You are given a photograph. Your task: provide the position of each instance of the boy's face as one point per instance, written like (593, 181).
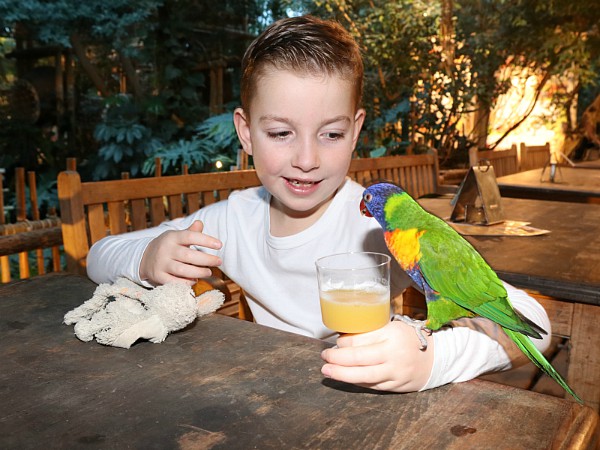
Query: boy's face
(302, 133)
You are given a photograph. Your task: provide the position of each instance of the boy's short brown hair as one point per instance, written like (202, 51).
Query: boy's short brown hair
(306, 45)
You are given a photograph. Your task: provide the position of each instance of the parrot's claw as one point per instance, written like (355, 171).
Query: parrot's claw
(418, 325)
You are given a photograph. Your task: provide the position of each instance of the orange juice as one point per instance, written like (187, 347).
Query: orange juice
(355, 311)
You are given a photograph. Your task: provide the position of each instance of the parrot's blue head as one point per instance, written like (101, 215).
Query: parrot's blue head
(374, 199)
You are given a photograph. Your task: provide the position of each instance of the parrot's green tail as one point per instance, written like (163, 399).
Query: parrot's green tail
(527, 347)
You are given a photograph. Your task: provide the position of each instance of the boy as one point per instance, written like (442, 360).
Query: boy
(300, 120)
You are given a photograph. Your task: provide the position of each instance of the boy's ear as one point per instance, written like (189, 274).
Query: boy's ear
(242, 127)
(359, 119)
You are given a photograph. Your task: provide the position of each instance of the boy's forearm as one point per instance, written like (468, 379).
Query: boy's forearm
(114, 257)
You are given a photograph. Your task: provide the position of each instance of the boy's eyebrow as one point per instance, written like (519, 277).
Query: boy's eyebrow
(269, 117)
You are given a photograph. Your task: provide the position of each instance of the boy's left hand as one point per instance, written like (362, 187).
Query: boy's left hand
(388, 359)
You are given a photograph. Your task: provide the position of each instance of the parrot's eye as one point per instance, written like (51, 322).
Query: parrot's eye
(368, 197)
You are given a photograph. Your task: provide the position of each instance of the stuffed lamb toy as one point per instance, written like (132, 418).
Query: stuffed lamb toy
(121, 313)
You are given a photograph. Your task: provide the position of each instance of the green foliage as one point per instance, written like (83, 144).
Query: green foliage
(116, 22)
(6, 66)
(420, 85)
(214, 140)
(410, 91)
(125, 141)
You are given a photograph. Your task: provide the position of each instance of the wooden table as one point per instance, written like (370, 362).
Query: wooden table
(564, 265)
(571, 185)
(592, 164)
(226, 383)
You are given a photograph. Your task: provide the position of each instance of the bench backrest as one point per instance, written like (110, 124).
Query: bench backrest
(93, 210)
(416, 174)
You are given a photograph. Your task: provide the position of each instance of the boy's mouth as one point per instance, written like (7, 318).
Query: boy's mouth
(301, 183)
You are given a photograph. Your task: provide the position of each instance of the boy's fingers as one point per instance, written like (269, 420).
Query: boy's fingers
(367, 355)
(355, 340)
(368, 375)
(196, 226)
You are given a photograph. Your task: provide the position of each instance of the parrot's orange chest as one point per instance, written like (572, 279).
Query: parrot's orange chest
(404, 245)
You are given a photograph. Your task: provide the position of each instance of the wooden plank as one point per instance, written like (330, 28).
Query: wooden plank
(103, 191)
(139, 220)
(175, 206)
(504, 161)
(96, 223)
(30, 240)
(20, 200)
(74, 226)
(157, 210)
(35, 213)
(116, 217)
(534, 156)
(5, 269)
(192, 203)
(584, 366)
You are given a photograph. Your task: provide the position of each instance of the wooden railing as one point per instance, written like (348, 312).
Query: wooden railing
(35, 242)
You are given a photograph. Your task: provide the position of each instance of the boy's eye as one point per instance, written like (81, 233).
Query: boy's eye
(333, 136)
(278, 134)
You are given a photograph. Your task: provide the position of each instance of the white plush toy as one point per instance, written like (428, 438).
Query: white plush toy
(121, 313)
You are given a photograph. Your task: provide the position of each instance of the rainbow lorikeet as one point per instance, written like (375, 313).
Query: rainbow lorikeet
(456, 280)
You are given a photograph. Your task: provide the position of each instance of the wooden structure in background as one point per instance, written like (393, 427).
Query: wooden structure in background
(513, 159)
(504, 162)
(533, 156)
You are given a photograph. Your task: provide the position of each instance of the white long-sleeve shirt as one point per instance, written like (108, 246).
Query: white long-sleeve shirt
(278, 274)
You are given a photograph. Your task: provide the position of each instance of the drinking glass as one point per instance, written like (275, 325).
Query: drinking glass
(354, 290)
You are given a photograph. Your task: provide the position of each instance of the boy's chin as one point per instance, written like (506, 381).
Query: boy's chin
(301, 207)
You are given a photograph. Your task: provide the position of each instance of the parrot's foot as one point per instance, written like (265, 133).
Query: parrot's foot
(418, 325)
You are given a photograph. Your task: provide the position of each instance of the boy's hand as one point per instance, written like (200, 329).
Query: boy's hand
(388, 359)
(169, 257)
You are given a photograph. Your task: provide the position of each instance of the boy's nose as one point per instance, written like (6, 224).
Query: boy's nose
(306, 156)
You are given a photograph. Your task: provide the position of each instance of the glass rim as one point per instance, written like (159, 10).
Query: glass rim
(386, 260)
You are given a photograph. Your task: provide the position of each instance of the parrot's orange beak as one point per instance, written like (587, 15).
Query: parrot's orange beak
(363, 209)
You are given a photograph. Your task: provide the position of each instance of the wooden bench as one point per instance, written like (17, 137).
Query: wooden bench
(93, 210)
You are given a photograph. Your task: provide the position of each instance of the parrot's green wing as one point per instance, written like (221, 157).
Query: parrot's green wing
(457, 272)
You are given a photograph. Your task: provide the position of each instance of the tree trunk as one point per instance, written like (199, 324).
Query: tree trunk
(130, 73)
(447, 36)
(87, 66)
(481, 125)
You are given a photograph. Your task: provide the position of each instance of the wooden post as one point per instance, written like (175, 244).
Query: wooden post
(35, 215)
(4, 262)
(74, 231)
